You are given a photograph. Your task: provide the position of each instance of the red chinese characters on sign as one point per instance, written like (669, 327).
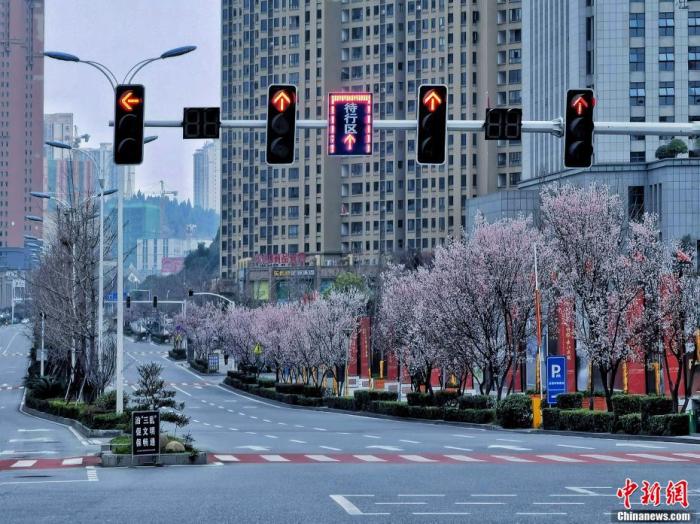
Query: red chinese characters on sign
(626, 492)
(676, 493)
(651, 493)
(280, 259)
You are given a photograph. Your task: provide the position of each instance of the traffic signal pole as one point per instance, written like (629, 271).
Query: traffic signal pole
(552, 127)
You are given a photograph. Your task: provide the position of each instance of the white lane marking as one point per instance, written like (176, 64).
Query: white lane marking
(91, 474)
(416, 458)
(558, 503)
(183, 383)
(656, 457)
(233, 429)
(630, 445)
(508, 440)
(573, 447)
(494, 495)
(282, 423)
(251, 433)
(608, 458)
(270, 436)
(342, 433)
(230, 410)
(369, 458)
(203, 401)
(265, 420)
(10, 343)
(254, 448)
(23, 464)
(33, 430)
(463, 458)
(400, 503)
(321, 458)
(298, 426)
(349, 507)
(78, 436)
(320, 429)
(690, 455)
(421, 495)
(409, 441)
(440, 513)
(385, 448)
(36, 439)
(241, 413)
(330, 448)
(195, 420)
(537, 513)
(458, 448)
(464, 436)
(217, 426)
(182, 391)
(585, 490)
(511, 448)
(297, 441)
(274, 458)
(253, 416)
(559, 458)
(511, 458)
(242, 396)
(207, 424)
(72, 461)
(480, 503)
(226, 458)
(14, 452)
(371, 436)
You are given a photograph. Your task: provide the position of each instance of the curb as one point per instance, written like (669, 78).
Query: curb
(111, 460)
(76, 425)
(489, 427)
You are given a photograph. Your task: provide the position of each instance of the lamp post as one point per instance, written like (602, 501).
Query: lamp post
(113, 82)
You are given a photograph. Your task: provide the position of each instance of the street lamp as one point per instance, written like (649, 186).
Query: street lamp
(112, 79)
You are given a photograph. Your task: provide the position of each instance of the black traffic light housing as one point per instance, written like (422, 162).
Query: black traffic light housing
(281, 124)
(190, 292)
(432, 124)
(128, 124)
(503, 123)
(155, 301)
(201, 122)
(578, 132)
(128, 301)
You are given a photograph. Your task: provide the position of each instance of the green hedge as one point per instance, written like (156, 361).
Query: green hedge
(363, 397)
(570, 400)
(654, 405)
(389, 407)
(312, 391)
(416, 398)
(551, 418)
(309, 401)
(340, 403)
(475, 402)
(177, 354)
(243, 377)
(675, 424)
(585, 420)
(515, 411)
(445, 396)
(266, 383)
(474, 416)
(630, 423)
(200, 365)
(427, 412)
(627, 404)
(290, 389)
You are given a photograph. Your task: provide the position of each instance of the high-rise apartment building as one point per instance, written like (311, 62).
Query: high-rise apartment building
(21, 118)
(642, 57)
(376, 205)
(207, 176)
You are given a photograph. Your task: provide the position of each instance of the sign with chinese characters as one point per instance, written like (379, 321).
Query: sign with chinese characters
(556, 378)
(293, 273)
(280, 259)
(350, 124)
(145, 433)
(213, 362)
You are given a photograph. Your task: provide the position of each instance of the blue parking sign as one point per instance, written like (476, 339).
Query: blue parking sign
(556, 378)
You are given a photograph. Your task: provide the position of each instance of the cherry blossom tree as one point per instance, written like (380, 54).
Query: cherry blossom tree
(239, 336)
(303, 357)
(269, 328)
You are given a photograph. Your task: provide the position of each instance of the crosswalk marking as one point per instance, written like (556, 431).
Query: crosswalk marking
(511, 458)
(72, 461)
(559, 458)
(23, 464)
(416, 458)
(91, 474)
(608, 458)
(226, 458)
(369, 458)
(689, 455)
(274, 458)
(322, 458)
(463, 458)
(657, 457)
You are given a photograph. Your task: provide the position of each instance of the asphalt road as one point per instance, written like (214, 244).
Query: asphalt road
(313, 466)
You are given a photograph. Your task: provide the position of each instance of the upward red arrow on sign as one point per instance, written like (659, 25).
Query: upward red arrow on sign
(432, 100)
(579, 104)
(349, 141)
(281, 100)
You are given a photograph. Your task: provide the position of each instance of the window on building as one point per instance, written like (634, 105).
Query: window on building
(693, 23)
(636, 24)
(694, 58)
(666, 59)
(515, 56)
(636, 59)
(514, 76)
(667, 93)
(666, 24)
(637, 94)
(694, 92)
(635, 202)
(637, 156)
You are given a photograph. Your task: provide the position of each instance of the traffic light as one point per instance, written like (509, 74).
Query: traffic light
(128, 124)
(128, 302)
(190, 293)
(201, 122)
(578, 139)
(503, 123)
(155, 301)
(432, 124)
(281, 124)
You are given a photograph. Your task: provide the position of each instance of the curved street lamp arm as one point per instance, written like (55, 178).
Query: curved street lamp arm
(105, 71)
(138, 68)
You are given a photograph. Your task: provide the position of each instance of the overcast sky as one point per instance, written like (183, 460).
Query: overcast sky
(119, 33)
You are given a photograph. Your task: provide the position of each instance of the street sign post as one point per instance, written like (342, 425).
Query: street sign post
(556, 378)
(145, 433)
(350, 124)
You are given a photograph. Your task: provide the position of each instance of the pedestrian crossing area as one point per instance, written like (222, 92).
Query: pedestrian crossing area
(49, 463)
(433, 458)
(9, 387)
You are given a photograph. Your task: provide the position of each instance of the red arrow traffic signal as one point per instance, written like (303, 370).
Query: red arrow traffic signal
(281, 100)
(579, 104)
(432, 100)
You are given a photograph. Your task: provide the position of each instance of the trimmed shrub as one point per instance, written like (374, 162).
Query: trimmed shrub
(630, 423)
(45, 388)
(340, 403)
(475, 402)
(603, 421)
(445, 396)
(389, 407)
(427, 412)
(62, 409)
(363, 397)
(109, 420)
(309, 401)
(177, 354)
(200, 365)
(654, 405)
(515, 411)
(108, 401)
(627, 404)
(474, 416)
(550, 418)
(312, 391)
(268, 393)
(385, 396)
(290, 389)
(570, 400)
(416, 398)
(675, 424)
(266, 383)
(585, 420)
